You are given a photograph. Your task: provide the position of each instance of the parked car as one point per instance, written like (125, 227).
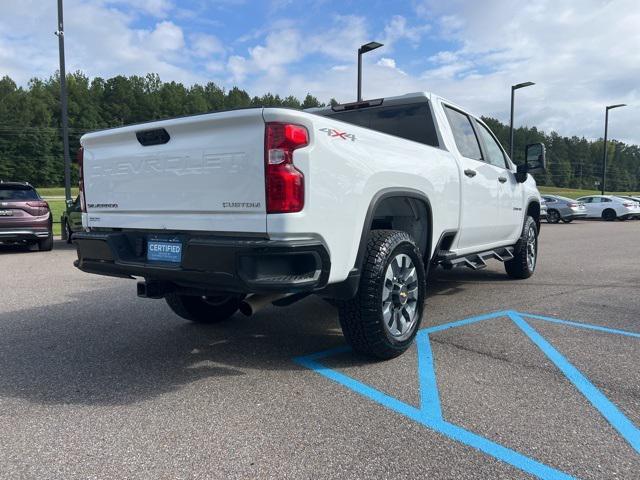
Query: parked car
(352, 202)
(24, 217)
(633, 199)
(563, 208)
(609, 207)
(543, 209)
(71, 219)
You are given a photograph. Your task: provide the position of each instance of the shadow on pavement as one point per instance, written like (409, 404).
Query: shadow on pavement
(108, 347)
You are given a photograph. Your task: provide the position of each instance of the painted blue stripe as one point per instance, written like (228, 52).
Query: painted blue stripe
(429, 395)
(587, 326)
(608, 410)
(496, 450)
(466, 321)
(361, 388)
(451, 431)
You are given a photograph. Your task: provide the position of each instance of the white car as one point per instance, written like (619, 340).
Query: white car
(234, 210)
(610, 207)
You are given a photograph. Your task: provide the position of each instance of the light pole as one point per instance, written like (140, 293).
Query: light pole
(513, 90)
(63, 104)
(606, 131)
(367, 47)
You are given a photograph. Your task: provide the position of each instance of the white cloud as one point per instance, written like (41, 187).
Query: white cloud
(205, 45)
(398, 29)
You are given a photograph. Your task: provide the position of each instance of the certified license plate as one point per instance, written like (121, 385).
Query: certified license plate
(164, 251)
(6, 213)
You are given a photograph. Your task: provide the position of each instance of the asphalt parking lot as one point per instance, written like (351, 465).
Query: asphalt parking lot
(96, 383)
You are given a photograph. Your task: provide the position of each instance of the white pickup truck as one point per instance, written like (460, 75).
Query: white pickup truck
(234, 210)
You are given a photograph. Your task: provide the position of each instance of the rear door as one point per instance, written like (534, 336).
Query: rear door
(480, 190)
(197, 173)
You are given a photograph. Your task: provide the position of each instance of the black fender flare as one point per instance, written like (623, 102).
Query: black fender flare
(373, 205)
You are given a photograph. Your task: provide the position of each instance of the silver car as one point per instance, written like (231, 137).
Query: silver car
(563, 208)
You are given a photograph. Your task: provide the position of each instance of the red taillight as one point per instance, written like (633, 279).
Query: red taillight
(80, 160)
(284, 182)
(40, 207)
(628, 205)
(573, 205)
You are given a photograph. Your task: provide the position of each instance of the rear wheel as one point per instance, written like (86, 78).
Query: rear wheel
(553, 216)
(68, 231)
(383, 318)
(609, 215)
(46, 244)
(525, 253)
(204, 309)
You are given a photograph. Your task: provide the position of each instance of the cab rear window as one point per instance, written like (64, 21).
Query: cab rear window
(17, 193)
(413, 121)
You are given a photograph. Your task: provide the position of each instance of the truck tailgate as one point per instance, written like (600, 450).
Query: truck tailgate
(206, 173)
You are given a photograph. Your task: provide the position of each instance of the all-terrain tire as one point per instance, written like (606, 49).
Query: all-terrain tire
(522, 265)
(362, 318)
(200, 309)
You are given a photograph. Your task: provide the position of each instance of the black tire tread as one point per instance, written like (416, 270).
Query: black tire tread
(359, 317)
(517, 267)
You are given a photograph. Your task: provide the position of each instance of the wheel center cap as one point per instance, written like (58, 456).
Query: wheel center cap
(402, 295)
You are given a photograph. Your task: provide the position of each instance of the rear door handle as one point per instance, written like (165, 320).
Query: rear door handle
(470, 173)
(502, 179)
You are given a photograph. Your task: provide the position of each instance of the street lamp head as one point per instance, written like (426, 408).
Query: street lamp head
(522, 85)
(616, 106)
(367, 47)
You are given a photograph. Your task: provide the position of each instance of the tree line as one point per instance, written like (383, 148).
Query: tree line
(31, 144)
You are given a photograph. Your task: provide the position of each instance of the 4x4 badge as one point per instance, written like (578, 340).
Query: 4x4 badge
(332, 132)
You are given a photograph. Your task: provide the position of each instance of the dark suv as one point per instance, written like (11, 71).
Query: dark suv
(24, 216)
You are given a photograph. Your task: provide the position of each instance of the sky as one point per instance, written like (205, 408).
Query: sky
(582, 55)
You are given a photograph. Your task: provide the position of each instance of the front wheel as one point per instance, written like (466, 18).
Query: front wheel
(204, 309)
(383, 318)
(525, 253)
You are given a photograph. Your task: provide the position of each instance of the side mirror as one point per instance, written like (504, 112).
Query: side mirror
(535, 158)
(535, 161)
(69, 203)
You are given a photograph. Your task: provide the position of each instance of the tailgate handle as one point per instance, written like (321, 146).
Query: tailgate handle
(157, 136)
(470, 173)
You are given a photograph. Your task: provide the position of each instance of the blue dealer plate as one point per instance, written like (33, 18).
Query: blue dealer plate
(164, 251)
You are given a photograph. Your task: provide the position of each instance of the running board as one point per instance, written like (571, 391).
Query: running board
(475, 261)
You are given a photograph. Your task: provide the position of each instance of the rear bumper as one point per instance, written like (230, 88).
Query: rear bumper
(209, 263)
(23, 234)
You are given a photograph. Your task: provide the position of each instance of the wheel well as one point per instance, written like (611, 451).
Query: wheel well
(406, 214)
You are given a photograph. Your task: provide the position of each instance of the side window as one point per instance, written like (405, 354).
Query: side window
(494, 152)
(586, 200)
(463, 134)
(604, 200)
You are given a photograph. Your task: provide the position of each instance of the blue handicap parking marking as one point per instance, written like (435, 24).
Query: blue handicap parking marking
(429, 413)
